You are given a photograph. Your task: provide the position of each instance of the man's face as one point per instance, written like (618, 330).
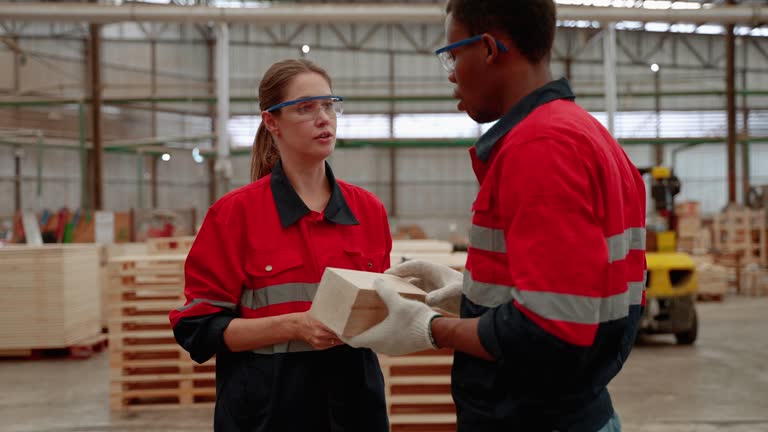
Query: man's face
(474, 89)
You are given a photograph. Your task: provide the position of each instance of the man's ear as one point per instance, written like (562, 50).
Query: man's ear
(491, 48)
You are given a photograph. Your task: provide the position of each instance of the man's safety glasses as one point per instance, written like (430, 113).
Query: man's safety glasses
(447, 58)
(308, 108)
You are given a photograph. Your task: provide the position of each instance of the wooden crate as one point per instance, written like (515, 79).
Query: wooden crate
(51, 296)
(418, 391)
(148, 370)
(170, 245)
(743, 231)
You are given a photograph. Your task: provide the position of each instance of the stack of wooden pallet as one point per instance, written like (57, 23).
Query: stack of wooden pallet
(714, 279)
(169, 245)
(51, 296)
(692, 236)
(742, 231)
(436, 251)
(148, 369)
(418, 390)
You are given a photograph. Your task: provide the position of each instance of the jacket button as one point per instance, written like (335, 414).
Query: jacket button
(268, 268)
(370, 264)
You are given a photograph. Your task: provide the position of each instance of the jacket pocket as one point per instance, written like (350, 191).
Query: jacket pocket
(269, 264)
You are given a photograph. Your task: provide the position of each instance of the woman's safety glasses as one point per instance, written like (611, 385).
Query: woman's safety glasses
(308, 108)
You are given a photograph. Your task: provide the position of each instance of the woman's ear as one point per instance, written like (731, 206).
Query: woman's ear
(270, 122)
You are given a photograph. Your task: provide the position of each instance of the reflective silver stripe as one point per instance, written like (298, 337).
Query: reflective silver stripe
(484, 294)
(636, 292)
(292, 346)
(620, 244)
(225, 305)
(275, 294)
(553, 306)
(489, 239)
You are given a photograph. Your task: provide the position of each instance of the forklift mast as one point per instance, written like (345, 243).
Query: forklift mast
(664, 186)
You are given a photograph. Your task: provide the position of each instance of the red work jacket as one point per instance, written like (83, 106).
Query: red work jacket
(260, 253)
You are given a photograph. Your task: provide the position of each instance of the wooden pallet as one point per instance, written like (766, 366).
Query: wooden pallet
(81, 349)
(742, 231)
(148, 369)
(170, 245)
(418, 391)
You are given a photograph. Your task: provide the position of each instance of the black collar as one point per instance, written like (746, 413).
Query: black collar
(291, 208)
(559, 89)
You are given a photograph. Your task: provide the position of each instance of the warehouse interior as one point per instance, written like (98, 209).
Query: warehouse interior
(122, 122)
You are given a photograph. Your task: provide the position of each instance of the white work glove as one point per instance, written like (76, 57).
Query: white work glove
(406, 328)
(441, 283)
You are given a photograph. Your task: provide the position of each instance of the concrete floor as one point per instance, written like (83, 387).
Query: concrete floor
(720, 384)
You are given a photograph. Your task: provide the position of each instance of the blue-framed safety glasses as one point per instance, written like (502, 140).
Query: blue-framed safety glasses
(309, 107)
(447, 58)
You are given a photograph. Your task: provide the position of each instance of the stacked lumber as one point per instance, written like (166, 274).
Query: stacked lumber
(148, 370)
(418, 391)
(714, 279)
(742, 231)
(754, 281)
(167, 245)
(51, 296)
(436, 251)
(692, 236)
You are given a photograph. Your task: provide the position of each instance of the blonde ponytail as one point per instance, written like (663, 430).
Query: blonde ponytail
(264, 155)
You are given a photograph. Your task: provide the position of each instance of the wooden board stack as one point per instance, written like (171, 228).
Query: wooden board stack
(436, 251)
(418, 391)
(692, 236)
(742, 231)
(51, 296)
(148, 370)
(169, 245)
(714, 279)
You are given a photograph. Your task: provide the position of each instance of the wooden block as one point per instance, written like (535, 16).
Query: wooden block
(347, 303)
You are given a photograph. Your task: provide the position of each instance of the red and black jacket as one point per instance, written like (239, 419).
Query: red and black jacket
(259, 253)
(555, 270)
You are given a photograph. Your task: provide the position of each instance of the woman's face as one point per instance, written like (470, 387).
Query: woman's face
(305, 130)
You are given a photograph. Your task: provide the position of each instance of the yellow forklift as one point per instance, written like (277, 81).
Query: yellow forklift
(672, 284)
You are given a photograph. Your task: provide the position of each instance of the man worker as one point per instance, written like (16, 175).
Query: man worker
(554, 284)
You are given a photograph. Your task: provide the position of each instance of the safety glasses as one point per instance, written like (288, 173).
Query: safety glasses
(308, 108)
(448, 60)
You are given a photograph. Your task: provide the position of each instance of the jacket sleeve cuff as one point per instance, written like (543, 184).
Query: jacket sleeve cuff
(202, 336)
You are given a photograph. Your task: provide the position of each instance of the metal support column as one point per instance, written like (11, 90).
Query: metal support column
(393, 149)
(730, 96)
(658, 148)
(94, 54)
(152, 159)
(211, 162)
(17, 155)
(609, 72)
(223, 162)
(745, 148)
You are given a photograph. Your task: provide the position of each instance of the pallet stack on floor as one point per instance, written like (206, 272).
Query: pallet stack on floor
(692, 236)
(51, 299)
(741, 242)
(418, 391)
(436, 251)
(148, 369)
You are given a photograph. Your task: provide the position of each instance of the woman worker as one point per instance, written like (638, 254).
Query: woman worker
(254, 268)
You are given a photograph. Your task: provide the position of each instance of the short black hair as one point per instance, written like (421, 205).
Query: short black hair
(529, 23)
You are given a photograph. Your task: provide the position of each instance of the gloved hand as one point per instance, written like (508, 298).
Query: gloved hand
(441, 283)
(405, 330)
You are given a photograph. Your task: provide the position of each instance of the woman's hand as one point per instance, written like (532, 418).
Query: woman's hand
(314, 332)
